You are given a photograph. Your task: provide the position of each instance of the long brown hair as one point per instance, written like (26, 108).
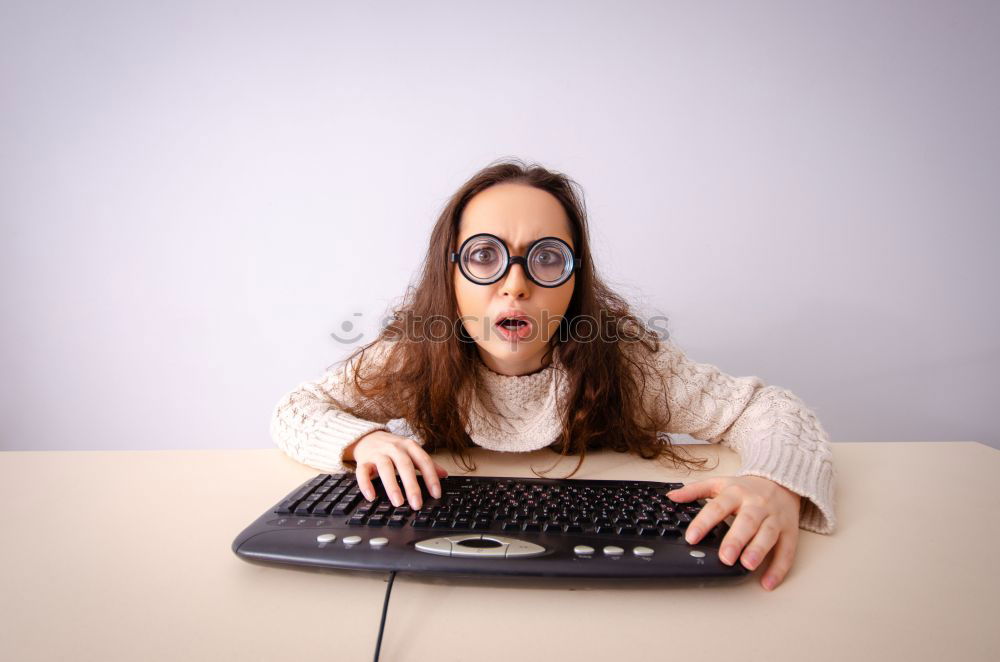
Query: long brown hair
(431, 384)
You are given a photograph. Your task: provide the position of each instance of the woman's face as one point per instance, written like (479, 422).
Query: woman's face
(518, 214)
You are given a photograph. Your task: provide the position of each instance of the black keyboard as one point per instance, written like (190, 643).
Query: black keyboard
(489, 526)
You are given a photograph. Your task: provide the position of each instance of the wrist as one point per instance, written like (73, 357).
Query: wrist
(348, 453)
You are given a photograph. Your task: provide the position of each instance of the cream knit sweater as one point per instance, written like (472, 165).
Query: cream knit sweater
(774, 433)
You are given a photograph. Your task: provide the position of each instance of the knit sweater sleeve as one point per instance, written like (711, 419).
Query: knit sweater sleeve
(309, 426)
(775, 434)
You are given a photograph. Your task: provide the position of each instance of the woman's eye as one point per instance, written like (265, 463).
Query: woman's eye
(547, 257)
(482, 255)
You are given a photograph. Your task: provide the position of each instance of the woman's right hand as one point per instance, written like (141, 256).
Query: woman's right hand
(387, 453)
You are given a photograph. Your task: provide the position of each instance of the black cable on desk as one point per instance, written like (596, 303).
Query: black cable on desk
(385, 607)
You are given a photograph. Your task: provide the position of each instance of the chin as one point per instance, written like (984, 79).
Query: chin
(502, 349)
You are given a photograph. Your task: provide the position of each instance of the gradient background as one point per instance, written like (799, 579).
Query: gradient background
(194, 196)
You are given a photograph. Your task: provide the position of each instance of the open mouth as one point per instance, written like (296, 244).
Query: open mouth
(514, 328)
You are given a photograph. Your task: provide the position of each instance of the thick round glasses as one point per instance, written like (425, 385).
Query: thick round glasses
(484, 259)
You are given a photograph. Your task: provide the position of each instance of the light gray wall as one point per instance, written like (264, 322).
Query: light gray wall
(193, 196)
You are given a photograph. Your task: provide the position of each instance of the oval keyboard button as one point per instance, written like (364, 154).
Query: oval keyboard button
(613, 550)
(643, 551)
(441, 546)
(581, 550)
(520, 548)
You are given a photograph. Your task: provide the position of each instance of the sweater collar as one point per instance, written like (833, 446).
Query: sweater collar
(526, 409)
(539, 377)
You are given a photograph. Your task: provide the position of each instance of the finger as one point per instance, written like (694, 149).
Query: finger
(692, 491)
(408, 473)
(361, 474)
(388, 474)
(430, 471)
(761, 543)
(781, 560)
(749, 519)
(711, 514)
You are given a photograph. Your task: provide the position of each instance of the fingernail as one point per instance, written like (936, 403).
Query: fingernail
(728, 554)
(436, 492)
(692, 535)
(752, 559)
(769, 583)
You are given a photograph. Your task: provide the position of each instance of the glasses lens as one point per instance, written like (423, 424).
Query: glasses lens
(483, 258)
(550, 262)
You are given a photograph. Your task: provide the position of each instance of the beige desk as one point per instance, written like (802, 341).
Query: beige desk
(126, 556)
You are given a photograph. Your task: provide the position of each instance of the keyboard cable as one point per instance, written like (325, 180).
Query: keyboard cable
(385, 607)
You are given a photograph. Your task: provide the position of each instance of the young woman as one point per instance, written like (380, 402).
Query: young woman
(511, 341)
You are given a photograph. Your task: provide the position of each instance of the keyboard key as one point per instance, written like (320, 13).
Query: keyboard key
(344, 505)
(285, 508)
(303, 508)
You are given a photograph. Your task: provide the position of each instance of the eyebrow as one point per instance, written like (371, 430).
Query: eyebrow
(507, 241)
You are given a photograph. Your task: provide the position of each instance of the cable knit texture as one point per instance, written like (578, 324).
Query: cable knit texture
(775, 434)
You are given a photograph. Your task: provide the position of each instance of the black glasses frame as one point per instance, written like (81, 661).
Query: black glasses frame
(455, 256)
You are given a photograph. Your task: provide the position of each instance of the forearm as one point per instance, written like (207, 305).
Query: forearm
(779, 438)
(775, 434)
(317, 434)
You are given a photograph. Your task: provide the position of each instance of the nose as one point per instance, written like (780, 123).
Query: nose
(515, 283)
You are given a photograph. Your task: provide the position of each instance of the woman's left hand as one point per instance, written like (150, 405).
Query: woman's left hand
(767, 516)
